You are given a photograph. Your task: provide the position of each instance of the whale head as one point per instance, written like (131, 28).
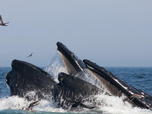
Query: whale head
(25, 77)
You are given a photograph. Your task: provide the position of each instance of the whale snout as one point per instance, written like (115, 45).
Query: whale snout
(18, 64)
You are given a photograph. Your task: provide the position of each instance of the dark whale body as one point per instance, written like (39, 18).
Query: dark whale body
(71, 90)
(25, 77)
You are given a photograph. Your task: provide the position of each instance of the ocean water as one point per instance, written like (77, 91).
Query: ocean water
(138, 77)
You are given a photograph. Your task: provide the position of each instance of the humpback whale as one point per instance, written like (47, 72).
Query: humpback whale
(72, 90)
(25, 77)
(117, 87)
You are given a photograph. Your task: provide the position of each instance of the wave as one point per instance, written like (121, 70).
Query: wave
(106, 104)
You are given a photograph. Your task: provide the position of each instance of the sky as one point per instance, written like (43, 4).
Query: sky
(107, 32)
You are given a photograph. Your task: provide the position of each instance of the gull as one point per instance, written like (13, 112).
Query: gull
(2, 24)
(30, 55)
(29, 108)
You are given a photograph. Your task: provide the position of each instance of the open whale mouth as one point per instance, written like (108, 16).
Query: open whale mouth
(75, 66)
(72, 63)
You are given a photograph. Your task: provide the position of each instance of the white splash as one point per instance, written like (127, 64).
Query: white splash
(87, 76)
(55, 66)
(13, 102)
(116, 105)
(18, 103)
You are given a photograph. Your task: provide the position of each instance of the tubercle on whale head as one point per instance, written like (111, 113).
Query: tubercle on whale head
(65, 79)
(7, 78)
(60, 77)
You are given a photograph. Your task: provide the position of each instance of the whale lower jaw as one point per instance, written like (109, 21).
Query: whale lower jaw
(116, 87)
(72, 63)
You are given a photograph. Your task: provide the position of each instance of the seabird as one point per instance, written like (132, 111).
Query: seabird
(29, 108)
(2, 24)
(30, 55)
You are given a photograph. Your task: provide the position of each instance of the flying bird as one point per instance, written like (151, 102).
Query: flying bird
(29, 108)
(30, 55)
(2, 23)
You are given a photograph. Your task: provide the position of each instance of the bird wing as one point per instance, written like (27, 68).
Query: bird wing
(30, 55)
(1, 19)
(33, 104)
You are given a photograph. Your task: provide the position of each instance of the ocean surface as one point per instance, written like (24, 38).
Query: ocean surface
(138, 77)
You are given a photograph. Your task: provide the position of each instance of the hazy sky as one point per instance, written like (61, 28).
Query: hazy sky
(108, 32)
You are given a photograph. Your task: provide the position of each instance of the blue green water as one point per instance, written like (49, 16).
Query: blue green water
(138, 77)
